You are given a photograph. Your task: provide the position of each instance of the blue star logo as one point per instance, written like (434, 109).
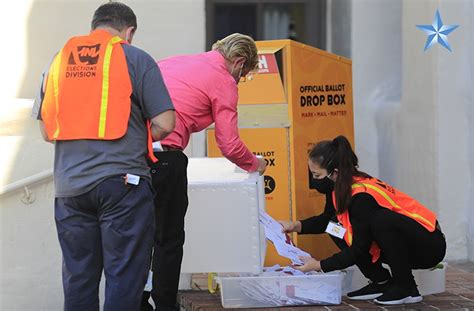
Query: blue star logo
(437, 32)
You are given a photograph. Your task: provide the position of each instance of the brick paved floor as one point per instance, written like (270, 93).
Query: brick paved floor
(459, 295)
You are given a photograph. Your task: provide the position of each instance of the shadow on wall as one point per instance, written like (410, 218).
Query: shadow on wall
(49, 25)
(386, 114)
(387, 99)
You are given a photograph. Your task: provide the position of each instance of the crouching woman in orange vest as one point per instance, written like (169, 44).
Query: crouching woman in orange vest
(372, 222)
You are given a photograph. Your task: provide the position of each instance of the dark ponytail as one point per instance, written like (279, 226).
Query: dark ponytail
(338, 154)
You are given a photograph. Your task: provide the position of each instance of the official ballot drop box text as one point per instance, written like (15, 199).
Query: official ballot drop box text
(299, 96)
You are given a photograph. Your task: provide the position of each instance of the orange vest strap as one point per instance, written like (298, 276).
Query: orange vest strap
(151, 155)
(55, 77)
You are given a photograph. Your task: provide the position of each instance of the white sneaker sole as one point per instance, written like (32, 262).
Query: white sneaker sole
(408, 299)
(365, 297)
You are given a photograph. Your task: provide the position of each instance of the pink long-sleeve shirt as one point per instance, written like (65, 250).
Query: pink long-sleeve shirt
(203, 92)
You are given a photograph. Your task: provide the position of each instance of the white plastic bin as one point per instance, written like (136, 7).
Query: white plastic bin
(275, 291)
(431, 281)
(223, 233)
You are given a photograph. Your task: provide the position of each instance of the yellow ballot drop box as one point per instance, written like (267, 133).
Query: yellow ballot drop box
(299, 96)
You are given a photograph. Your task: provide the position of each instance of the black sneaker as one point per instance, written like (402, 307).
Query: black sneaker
(371, 291)
(396, 295)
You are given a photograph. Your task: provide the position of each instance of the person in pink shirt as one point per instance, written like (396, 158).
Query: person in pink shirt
(203, 89)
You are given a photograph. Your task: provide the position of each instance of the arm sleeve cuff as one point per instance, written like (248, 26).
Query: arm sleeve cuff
(305, 224)
(326, 265)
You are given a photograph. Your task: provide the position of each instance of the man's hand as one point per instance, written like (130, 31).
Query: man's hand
(309, 264)
(262, 166)
(290, 226)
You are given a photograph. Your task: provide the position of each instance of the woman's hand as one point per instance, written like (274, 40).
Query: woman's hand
(309, 264)
(290, 226)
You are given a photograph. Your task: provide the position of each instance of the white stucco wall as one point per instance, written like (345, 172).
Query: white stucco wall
(437, 94)
(30, 264)
(455, 143)
(417, 124)
(30, 260)
(376, 67)
(414, 109)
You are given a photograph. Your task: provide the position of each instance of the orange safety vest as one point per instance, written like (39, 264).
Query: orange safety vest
(88, 91)
(388, 197)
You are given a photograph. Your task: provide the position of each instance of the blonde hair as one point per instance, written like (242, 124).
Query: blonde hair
(238, 45)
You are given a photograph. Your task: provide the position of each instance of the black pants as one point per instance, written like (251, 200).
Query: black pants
(404, 244)
(169, 176)
(108, 228)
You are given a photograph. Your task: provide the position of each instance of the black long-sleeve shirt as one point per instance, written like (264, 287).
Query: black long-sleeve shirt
(361, 210)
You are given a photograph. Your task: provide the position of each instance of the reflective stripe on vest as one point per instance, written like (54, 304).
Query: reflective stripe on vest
(55, 72)
(428, 224)
(105, 85)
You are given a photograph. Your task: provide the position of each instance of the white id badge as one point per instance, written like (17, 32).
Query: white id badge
(335, 230)
(132, 179)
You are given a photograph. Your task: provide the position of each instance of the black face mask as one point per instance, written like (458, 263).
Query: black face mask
(324, 185)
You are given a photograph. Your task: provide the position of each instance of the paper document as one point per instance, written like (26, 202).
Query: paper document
(289, 290)
(276, 270)
(272, 268)
(283, 244)
(318, 292)
(292, 271)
